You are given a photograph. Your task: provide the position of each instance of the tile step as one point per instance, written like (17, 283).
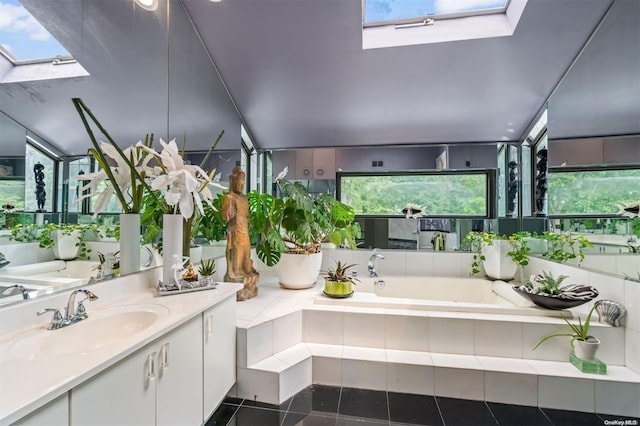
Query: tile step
(548, 384)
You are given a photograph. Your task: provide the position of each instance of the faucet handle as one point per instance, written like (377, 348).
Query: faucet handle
(55, 320)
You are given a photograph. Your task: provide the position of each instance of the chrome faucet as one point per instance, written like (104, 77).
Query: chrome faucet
(371, 266)
(73, 314)
(12, 289)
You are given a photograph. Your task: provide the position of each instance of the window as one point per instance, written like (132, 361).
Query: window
(445, 194)
(22, 38)
(592, 190)
(389, 23)
(384, 12)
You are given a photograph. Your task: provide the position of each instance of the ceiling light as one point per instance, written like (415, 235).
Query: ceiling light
(148, 4)
(216, 1)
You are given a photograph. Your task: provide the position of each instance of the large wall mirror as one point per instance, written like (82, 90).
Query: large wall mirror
(146, 72)
(594, 121)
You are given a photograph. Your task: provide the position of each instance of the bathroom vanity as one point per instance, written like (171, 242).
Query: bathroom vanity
(137, 359)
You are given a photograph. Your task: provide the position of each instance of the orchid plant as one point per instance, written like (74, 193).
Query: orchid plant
(184, 185)
(118, 179)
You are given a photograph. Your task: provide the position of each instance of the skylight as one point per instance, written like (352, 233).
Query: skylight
(385, 12)
(22, 38)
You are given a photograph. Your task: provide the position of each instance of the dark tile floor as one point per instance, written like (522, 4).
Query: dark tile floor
(320, 405)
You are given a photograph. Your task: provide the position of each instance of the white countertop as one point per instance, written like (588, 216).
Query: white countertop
(26, 385)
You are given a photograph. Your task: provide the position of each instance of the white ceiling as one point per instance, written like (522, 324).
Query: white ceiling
(298, 76)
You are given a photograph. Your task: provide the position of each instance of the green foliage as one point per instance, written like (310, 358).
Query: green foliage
(546, 283)
(578, 331)
(519, 252)
(439, 194)
(211, 226)
(566, 246)
(298, 222)
(207, 267)
(43, 234)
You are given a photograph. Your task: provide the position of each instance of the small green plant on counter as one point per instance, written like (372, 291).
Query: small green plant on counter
(564, 247)
(578, 331)
(207, 268)
(519, 252)
(339, 273)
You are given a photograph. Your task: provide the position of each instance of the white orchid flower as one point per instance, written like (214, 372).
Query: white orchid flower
(283, 173)
(121, 173)
(184, 184)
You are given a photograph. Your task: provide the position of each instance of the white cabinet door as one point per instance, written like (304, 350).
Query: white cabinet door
(219, 353)
(124, 394)
(179, 365)
(55, 413)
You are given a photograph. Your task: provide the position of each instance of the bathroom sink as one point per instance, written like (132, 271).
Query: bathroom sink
(101, 329)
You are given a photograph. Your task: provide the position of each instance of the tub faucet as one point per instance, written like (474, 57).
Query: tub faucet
(12, 289)
(72, 314)
(371, 266)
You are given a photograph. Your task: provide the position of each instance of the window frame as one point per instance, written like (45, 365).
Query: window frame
(491, 203)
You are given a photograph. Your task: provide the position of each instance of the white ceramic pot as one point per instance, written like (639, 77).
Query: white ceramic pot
(66, 247)
(297, 271)
(496, 263)
(586, 349)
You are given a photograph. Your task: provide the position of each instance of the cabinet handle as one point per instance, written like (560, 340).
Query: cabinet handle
(209, 326)
(164, 351)
(151, 366)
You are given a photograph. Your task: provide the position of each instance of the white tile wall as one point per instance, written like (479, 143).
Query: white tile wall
(498, 338)
(565, 393)
(327, 371)
(407, 332)
(364, 374)
(410, 378)
(420, 264)
(294, 379)
(511, 388)
(287, 331)
(323, 327)
(451, 336)
(448, 265)
(259, 342)
(632, 349)
(459, 383)
(365, 330)
(632, 304)
(554, 349)
(617, 398)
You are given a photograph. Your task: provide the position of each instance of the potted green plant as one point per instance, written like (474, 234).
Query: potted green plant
(337, 283)
(583, 344)
(296, 224)
(66, 239)
(547, 291)
(206, 270)
(499, 254)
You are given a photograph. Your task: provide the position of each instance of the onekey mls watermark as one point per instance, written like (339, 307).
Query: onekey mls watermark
(621, 422)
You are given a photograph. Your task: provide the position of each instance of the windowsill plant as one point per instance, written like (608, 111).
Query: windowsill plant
(518, 253)
(337, 282)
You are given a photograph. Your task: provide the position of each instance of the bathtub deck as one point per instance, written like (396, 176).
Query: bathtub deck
(286, 341)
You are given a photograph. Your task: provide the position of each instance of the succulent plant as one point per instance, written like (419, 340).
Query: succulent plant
(207, 267)
(546, 283)
(339, 273)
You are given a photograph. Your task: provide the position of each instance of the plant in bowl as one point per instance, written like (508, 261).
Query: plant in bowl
(66, 239)
(337, 283)
(583, 344)
(546, 291)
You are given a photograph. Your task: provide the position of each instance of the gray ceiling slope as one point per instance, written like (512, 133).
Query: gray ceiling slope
(300, 78)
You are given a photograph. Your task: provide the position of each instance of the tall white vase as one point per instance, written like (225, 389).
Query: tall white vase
(171, 245)
(129, 243)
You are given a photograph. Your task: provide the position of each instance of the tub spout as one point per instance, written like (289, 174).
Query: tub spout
(371, 266)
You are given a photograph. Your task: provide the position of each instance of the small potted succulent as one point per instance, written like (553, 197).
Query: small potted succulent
(583, 344)
(337, 283)
(206, 270)
(546, 291)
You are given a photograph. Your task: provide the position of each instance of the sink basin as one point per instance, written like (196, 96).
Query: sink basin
(101, 329)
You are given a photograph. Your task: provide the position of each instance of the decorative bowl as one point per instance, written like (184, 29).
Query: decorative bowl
(570, 297)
